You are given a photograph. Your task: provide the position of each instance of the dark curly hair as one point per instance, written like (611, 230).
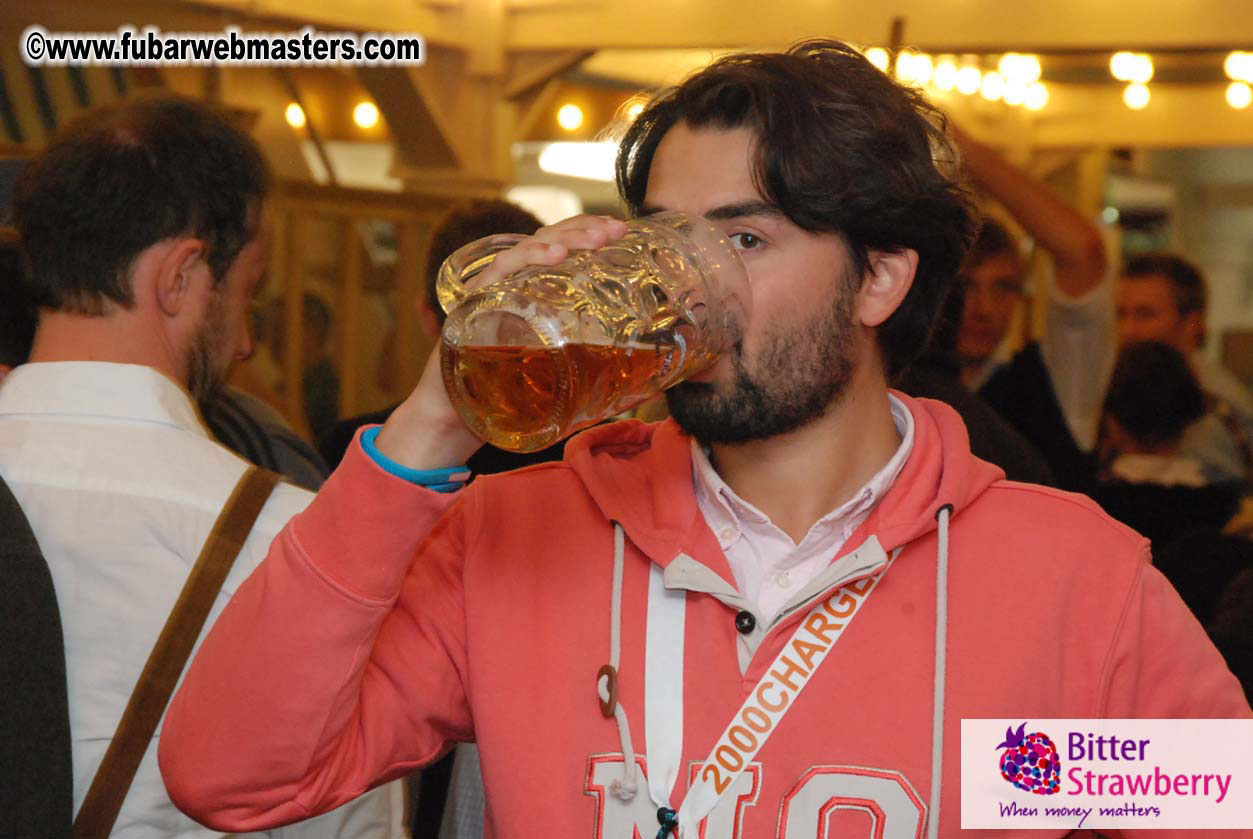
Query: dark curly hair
(841, 148)
(125, 177)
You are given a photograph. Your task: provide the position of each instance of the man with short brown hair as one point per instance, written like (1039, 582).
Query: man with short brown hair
(142, 223)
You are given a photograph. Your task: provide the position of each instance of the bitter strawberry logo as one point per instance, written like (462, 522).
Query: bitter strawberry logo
(1030, 762)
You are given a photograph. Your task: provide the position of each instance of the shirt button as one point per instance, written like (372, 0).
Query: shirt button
(783, 580)
(745, 622)
(728, 534)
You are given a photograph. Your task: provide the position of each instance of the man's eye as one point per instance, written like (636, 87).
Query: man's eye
(745, 241)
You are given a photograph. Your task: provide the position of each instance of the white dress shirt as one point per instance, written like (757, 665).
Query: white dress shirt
(121, 484)
(770, 568)
(1079, 348)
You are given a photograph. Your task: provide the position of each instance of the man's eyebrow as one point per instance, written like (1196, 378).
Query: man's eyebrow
(728, 211)
(743, 209)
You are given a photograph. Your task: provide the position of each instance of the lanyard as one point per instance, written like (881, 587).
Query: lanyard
(761, 712)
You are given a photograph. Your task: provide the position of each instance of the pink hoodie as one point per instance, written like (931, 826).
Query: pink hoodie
(390, 622)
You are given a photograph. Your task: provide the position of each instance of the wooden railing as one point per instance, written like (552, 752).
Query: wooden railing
(323, 242)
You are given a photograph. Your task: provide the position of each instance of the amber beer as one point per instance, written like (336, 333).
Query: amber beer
(535, 356)
(525, 398)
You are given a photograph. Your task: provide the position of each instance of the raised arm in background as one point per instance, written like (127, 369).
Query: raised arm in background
(1073, 240)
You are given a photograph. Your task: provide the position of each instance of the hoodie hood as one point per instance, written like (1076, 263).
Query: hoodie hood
(641, 477)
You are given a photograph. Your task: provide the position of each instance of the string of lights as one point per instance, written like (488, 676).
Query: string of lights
(1016, 78)
(1013, 78)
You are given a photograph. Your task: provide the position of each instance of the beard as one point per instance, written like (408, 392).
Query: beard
(206, 373)
(799, 374)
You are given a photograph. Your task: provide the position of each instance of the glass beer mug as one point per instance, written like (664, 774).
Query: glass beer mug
(544, 352)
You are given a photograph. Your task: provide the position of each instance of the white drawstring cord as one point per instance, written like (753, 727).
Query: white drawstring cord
(625, 788)
(941, 665)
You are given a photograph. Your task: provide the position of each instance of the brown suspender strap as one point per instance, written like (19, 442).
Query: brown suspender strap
(169, 655)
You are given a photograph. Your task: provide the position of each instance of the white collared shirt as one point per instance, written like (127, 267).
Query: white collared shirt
(121, 484)
(1078, 349)
(770, 568)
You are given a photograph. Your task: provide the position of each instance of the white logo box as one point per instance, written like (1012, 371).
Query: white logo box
(1165, 774)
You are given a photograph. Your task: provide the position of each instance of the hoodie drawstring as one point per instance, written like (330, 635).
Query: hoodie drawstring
(607, 678)
(941, 664)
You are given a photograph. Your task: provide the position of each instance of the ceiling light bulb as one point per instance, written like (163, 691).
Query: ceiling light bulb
(969, 78)
(1122, 65)
(1143, 69)
(904, 65)
(1239, 66)
(1136, 95)
(923, 69)
(570, 116)
(1008, 65)
(1029, 68)
(1015, 92)
(946, 72)
(1037, 96)
(878, 56)
(295, 115)
(1239, 95)
(993, 87)
(365, 115)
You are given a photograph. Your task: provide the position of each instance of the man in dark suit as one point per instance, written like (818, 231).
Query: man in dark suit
(36, 782)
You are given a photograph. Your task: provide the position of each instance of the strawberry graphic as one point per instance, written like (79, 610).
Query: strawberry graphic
(1030, 762)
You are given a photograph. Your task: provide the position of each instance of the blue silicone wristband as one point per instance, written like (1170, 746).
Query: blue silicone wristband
(440, 480)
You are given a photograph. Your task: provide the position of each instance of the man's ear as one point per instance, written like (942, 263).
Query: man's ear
(177, 273)
(888, 279)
